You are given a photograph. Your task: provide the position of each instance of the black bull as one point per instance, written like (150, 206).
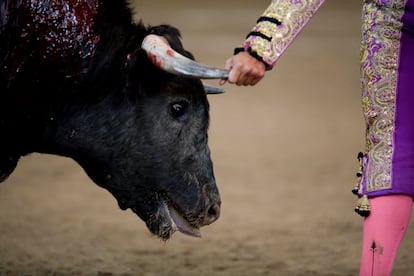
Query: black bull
(75, 81)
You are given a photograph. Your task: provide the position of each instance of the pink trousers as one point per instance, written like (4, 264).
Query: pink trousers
(383, 231)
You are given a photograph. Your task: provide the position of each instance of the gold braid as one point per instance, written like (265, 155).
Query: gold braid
(278, 27)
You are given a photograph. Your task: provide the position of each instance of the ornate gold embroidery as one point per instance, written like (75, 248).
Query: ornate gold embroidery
(267, 28)
(293, 15)
(379, 64)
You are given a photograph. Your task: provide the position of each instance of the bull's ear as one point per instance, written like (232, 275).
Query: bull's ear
(173, 37)
(142, 75)
(212, 89)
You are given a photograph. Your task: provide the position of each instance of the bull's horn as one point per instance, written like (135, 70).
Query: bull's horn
(165, 58)
(212, 89)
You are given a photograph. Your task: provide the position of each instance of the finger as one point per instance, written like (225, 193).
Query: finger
(255, 78)
(249, 81)
(234, 75)
(246, 77)
(228, 64)
(240, 80)
(222, 81)
(254, 81)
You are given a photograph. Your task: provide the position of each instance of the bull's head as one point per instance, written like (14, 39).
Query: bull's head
(159, 162)
(189, 197)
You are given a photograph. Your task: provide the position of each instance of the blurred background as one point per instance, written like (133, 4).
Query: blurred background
(284, 154)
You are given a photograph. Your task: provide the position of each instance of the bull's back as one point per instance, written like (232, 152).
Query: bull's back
(42, 34)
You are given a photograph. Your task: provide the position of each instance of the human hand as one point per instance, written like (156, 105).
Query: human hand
(244, 70)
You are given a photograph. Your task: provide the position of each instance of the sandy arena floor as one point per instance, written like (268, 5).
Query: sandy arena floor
(284, 155)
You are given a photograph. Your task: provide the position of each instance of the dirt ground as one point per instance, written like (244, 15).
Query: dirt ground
(284, 153)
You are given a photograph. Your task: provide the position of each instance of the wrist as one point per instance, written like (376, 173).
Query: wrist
(252, 53)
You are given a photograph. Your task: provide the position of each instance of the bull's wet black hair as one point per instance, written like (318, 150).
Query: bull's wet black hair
(118, 37)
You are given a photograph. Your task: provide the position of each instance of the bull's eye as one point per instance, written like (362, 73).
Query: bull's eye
(178, 109)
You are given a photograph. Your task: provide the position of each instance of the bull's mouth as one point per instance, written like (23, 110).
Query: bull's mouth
(168, 219)
(178, 222)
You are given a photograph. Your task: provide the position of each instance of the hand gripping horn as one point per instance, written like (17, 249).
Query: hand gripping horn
(167, 59)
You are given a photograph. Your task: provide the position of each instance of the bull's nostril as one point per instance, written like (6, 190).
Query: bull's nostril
(213, 214)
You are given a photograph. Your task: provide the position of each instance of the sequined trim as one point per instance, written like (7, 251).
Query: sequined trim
(293, 16)
(380, 45)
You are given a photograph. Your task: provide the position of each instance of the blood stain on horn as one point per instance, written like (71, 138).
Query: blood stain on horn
(154, 60)
(170, 52)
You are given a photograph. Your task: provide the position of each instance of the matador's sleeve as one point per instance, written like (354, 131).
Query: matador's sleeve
(277, 28)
